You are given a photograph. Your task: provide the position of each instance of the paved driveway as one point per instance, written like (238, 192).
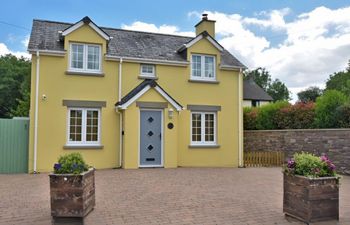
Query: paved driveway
(164, 196)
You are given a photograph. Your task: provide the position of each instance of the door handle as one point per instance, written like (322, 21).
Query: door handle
(160, 136)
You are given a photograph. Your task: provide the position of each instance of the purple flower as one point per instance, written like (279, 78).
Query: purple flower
(324, 158)
(57, 166)
(291, 164)
(331, 166)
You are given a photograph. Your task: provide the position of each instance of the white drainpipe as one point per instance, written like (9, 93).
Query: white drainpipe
(36, 111)
(240, 121)
(120, 114)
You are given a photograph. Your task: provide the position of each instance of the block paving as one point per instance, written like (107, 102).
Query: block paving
(184, 196)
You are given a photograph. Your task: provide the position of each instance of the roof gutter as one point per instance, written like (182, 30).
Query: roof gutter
(47, 52)
(234, 68)
(146, 60)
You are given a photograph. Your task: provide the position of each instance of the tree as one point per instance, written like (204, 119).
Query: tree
(340, 81)
(310, 94)
(260, 76)
(275, 88)
(14, 86)
(326, 109)
(278, 91)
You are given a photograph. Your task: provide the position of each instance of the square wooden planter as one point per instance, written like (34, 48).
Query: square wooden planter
(72, 195)
(311, 199)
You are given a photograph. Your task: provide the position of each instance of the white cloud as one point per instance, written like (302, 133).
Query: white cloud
(310, 47)
(314, 44)
(275, 19)
(149, 27)
(25, 42)
(4, 50)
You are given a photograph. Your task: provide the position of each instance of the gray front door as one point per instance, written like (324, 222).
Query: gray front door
(151, 138)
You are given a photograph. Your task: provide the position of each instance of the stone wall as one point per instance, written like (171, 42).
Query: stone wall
(333, 142)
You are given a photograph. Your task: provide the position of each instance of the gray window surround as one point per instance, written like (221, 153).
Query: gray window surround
(146, 77)
(84, 103)
(83, 147)
(204, 108)
(203, 146)
(152, 105)
(87, 74)
(204, 81)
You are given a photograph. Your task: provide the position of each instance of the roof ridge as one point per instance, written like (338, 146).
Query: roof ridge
(112, 28)
(52, 21)
(146, 32)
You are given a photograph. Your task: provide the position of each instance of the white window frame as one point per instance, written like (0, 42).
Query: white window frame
(202, 77)
(85, 58)
(203, 142)
(153, 74)
(83, 141)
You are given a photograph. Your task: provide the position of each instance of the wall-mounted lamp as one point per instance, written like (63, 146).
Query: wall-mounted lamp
(44, 97)
(170, 113)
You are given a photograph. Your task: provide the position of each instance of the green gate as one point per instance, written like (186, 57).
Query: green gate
(14, 135)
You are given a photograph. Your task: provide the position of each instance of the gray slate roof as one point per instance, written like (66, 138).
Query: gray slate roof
(125, 43)
(139, 88)
(252, 91)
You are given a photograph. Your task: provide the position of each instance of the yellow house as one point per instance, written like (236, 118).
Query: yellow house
(133, 99)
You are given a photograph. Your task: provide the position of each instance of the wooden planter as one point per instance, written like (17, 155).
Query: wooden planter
(72, 195)
(311, 199)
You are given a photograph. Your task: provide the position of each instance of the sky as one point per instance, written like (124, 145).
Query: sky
(300, 42)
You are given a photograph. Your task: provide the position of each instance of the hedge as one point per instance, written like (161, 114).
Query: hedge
(331, 110)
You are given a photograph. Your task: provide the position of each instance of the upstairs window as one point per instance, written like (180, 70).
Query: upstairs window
(203, 67)
(147, 70)
(85, 57)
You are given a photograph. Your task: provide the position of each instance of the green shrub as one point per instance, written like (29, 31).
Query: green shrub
(298, 116)
(72, 163)
(249, 118)
(309, 165)
(342, 115)
(326, 106)
(266, 115)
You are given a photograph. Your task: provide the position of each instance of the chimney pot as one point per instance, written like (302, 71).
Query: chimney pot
(204, 16)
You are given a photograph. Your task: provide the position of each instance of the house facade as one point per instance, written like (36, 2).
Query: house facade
(133, 99)
(254, 95)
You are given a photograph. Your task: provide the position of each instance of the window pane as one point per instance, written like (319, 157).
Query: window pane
(209, 66)
(91, 125)
(93, 57)
(77, 56)
(147, 69)
(196, 127)
(196, 65)
(209, 127)
(75, 125)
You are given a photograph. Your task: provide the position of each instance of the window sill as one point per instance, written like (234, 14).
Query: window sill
(142, 77)
(83, 147)
(204, 146)
(85, 73)
(204, 81)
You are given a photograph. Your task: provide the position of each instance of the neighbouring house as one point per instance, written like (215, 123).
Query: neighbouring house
(133, 99)
(254, 95)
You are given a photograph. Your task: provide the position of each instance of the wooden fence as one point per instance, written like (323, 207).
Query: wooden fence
(263, 158)
(14, 135)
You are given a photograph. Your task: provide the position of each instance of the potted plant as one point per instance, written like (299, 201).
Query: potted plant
(311, 188)
(72, 187)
